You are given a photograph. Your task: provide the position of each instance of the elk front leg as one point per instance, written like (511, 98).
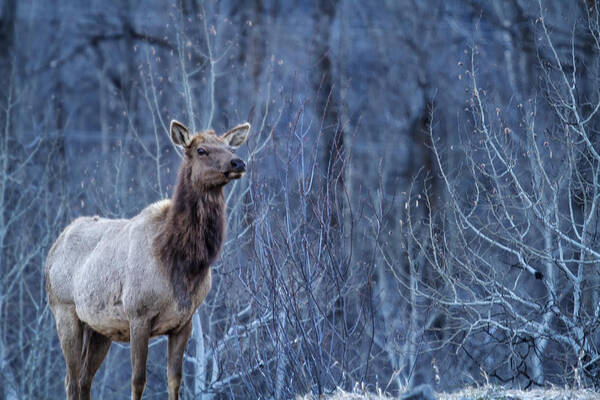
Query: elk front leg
(139, 336)
(177, 343)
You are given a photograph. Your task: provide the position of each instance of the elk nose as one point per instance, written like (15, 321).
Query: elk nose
(238, 165)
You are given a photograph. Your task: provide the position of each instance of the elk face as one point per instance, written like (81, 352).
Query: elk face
(210, 157)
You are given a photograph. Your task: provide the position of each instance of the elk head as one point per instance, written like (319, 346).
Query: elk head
(209, 158)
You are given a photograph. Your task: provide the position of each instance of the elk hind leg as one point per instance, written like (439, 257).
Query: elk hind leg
(69, 330)
(95, 349)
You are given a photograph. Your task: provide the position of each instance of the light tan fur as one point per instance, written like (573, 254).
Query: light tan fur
(133, 286)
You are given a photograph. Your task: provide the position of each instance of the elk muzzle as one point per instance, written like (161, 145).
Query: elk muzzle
(238, 165)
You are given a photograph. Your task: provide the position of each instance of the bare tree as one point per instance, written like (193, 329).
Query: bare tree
(514, 257)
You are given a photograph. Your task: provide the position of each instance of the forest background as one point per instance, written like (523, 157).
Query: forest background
(421, 203)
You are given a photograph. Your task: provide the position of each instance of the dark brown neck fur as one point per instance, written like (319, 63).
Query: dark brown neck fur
(191, 235)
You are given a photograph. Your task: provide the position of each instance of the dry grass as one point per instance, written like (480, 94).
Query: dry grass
(481, 393)
(342, 395)
(498, 393)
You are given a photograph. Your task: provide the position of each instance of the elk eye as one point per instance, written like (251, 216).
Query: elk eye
(202, 151)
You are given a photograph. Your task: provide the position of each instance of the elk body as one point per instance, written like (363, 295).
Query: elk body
(133, 279)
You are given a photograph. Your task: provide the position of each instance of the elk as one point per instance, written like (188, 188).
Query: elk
(134, 279)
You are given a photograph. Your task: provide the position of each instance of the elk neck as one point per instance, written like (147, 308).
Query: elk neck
(191, 234)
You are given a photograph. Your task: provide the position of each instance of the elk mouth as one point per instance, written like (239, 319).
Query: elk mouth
(234, 174)
(238, 169)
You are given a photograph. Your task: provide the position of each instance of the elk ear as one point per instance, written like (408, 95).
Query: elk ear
(235, 137)
(179, 133)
